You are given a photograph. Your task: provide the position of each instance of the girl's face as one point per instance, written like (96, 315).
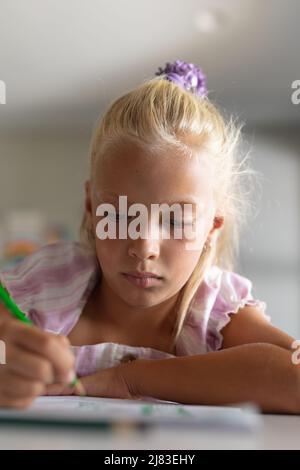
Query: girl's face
(151, 179)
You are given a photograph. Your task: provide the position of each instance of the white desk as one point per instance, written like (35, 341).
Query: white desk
(277, 432)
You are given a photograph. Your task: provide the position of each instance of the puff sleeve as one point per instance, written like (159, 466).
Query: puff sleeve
(51, 285)
(233, 292)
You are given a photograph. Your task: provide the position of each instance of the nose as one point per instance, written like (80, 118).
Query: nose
(146, 247)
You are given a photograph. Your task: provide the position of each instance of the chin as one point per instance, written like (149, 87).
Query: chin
(140, 300)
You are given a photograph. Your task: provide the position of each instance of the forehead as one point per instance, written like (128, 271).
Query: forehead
(165, 176)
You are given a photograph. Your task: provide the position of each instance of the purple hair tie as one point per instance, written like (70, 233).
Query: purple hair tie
(188, 76)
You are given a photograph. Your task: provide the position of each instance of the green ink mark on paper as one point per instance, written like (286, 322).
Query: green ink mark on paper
(147, 409)
(182, 411)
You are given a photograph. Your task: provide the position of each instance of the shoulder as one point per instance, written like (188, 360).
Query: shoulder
(69, 257)
(220, 289)
(48, 278)
(228, 287)
(221, 293)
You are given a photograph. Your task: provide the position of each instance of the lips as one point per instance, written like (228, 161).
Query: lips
(142, 275)
(143, 281)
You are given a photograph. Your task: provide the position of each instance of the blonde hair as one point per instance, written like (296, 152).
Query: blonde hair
(159, 114)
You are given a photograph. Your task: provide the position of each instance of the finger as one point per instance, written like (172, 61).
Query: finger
(16, 386)
(5, 313)
(59, 389)
(29, 365)
(49, 346)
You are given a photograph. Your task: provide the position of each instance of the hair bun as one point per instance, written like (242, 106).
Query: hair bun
(187, 75)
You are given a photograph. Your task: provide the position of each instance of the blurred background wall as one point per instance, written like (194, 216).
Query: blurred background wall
(63, 62)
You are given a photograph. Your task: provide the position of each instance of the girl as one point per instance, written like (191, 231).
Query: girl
(191, 330)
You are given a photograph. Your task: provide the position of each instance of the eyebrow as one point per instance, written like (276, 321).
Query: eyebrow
(188, 198)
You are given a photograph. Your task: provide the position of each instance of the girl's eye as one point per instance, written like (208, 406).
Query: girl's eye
(174, 223)
(113, 216)
(180, 223)
(116, 216)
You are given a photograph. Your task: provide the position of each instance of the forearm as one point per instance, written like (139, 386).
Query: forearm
(261, 373)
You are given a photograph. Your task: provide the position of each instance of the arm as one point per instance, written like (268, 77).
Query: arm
(249, 326)
(261, 373)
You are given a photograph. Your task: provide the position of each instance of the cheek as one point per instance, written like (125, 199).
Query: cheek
(109, 254)
(178, 259)
(180, 264)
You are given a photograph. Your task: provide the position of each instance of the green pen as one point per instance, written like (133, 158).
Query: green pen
(17, 313)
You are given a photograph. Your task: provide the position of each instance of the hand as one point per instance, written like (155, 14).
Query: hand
(110, 383)
(33, 359)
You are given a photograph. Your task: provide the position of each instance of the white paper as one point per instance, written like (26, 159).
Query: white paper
(93, 410)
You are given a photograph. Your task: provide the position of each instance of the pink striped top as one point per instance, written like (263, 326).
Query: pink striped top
(53, 284)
